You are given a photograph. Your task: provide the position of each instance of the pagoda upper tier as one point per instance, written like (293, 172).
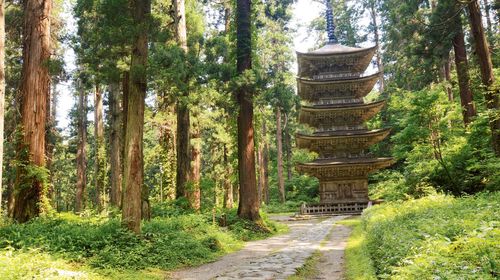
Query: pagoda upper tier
(334, 61)
(341, 143)
(340, 116)
(338, 169)
(335, 91)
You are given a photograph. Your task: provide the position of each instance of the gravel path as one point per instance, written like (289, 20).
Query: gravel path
(274, 258)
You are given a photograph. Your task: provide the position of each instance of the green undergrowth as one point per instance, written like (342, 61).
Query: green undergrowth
(436, 237)
(359, 266)
(100, 246)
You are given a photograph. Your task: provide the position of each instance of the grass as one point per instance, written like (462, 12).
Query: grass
(436, 237)
(359, 266)
(309, 270)
(98, 248)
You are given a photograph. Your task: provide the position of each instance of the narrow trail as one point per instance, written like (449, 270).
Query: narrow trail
(279, 257)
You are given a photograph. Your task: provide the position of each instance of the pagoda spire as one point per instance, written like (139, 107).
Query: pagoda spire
(330, 25)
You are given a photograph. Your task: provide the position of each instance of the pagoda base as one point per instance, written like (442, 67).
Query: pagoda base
(343, 191)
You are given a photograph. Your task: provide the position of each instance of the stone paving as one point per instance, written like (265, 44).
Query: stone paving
(268, 259)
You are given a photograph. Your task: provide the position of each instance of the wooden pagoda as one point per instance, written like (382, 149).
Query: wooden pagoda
(332, 85)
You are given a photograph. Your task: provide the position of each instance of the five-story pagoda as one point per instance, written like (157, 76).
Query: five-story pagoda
(332, 85)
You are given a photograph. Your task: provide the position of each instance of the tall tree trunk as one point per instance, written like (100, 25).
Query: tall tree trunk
(228, 186)
(115, 111)
(468, 110)
(35, 86)
(248, 207)
(288, 148)
(134, 163)
(484, 58)
(279, 156)
(380, 65)
(183, 118)
(100, 149)
(193, 193)
(81, 154)
(264, 165)
(125, 94)
(260, 176)
(2, 92)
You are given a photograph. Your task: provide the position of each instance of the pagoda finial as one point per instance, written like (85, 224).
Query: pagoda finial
(330, 26)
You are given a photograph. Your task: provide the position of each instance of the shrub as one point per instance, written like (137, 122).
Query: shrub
(102, 243)
(437, 237)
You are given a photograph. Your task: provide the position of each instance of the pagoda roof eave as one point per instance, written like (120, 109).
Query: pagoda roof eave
(321, 163)
(349, 134)
(310, 81)
(347, 169)
(342, 107)
(335, 50)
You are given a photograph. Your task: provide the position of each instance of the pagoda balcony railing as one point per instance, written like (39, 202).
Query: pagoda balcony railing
(337, 76)
(338, 101)
(341, 128)
(344, 155)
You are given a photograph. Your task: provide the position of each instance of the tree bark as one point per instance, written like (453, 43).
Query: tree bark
(248, 207)
(193, 193)
(2, 92)
(228, 186)
(35, 86)
(100, 153)
(486, 66)
(125, 94)
(115, 111)
(264, 165)
(81, 154)
(279, 156)
(288, 148)
(184, 149)
(468, 110)
(134, 163)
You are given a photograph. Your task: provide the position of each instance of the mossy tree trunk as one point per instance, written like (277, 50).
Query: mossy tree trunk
(248, 207)
(133, 174)
(115, 111)
(486, 66)
(279, 156)
(100, 155)
(34, 91)
(2, 90)
(468, 109)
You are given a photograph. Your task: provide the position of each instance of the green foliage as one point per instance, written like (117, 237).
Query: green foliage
(181, 239)
(437, 237)
(166, 242)
(435, 152)
(359, 266)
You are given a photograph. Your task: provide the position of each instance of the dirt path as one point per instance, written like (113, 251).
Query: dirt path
(277, 257)
(331, 262)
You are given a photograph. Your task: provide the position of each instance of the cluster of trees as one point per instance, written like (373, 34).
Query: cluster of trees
(173, 96)
(174, 84)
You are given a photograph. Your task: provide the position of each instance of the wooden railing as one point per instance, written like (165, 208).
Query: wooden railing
(333, 208)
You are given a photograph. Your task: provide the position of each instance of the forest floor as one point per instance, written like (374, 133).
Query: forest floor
(316, 245)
